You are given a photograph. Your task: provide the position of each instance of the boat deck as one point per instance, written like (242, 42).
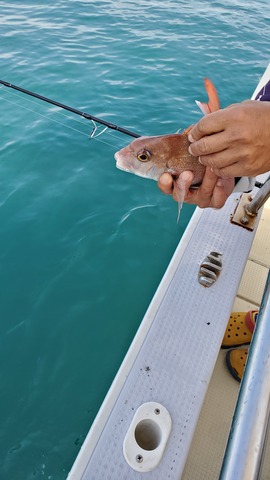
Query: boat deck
(209, 442)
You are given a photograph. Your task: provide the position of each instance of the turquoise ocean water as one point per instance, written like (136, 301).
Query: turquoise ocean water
(83, 245)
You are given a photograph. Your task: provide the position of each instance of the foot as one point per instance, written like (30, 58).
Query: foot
(236, 362)
(239, 329)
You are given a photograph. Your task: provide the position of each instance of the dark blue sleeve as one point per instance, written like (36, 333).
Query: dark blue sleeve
(263, 96)
(264, 93)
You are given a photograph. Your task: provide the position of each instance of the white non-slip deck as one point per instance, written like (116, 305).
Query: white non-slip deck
(173, 356)
(209, 442)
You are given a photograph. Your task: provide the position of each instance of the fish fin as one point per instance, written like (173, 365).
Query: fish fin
(213, 101)
(203, 107)
(180, 191)
(186, 131)
(180, 205)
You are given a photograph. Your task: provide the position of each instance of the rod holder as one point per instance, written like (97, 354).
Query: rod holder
(147, 437)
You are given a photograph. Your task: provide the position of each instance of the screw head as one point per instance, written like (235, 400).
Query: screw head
(139, 458)
(244, 220)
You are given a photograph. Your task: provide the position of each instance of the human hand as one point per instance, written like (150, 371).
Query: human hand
(235, 141)
(213, 191)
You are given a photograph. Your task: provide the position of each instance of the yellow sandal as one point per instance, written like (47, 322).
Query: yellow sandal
(236, 362)
(239, 329)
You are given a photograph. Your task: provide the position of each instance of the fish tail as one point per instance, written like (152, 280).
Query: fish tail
(213, 101)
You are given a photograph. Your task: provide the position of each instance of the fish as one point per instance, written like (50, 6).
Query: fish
(151, 156)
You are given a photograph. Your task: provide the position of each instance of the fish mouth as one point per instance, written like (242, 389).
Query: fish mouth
(118, 157)
(120, 167)
(119, 162)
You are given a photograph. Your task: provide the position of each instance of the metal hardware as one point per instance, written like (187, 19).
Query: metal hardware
(240, 216)
(247, 209)
(210, 269)
(259, 200)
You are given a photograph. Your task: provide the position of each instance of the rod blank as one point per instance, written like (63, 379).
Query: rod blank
(86, 115)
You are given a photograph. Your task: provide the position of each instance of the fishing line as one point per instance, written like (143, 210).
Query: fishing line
(41, 105)
(86, 115)
(64, 115)
(57, 121)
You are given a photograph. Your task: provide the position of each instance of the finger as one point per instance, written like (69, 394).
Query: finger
(224, 162)
(205, 191)
(165, 183)
(232, 171)
(202, 196)
(224, 165)
(216, 199)
(213, 192)
(209, 181)
(207, 145)
(228, 185)
(211, 123)
(182, 185)
(221, 192)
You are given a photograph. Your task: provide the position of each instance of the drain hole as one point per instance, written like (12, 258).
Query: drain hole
(148, 434)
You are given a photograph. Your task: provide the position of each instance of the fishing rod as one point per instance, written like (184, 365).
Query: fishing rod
(86, 115)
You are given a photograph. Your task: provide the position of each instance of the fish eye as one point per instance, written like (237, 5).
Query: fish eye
(144, 156)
